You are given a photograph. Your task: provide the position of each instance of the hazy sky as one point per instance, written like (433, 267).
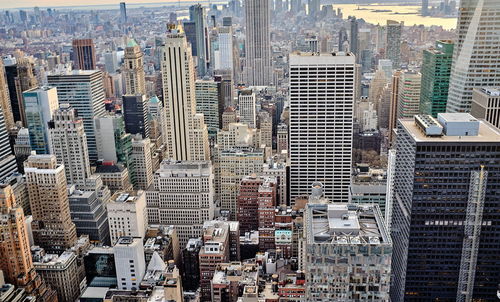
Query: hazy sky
(44, 3)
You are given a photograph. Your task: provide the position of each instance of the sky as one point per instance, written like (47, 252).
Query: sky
(53, 3)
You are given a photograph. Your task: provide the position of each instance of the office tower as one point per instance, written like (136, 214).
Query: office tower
(89, 215)
(39, 106)
(129, 262)
(282, 138)
(135, 114)
(189, 181)
(265, 126)
(20, 77)
(15, 256)
(343, 37)
(141, 160)
(436, 68)
(207, 102)
(53, 229)
(127, 215)
(198, 16)
(486, 105)
(445, 199)
(236, 163)
(133, 69)
(313, 7)
(84, 54)
(353, 37)
(321, 154)
(68, 142)
(100, 268)
(248, 203)
(123, 13)
(266, 213)
(89, 103)
(386, 66)
(7, 159)
(393, 43)
(191, 265)
(22, 148)
(424, 11)
(114, 144)
(17, 182)
(474, 59)
(258, 69)
(111, 61)
(115, 176)
(393, 107)
(226, 89)
(5, 100)
(408, 94)
(246, 108)
(215, 250)
(61, 272)
(347, 253)
(226, 50)
(186, 130)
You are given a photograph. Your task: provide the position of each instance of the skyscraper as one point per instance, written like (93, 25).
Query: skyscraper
(142, 177)
(207, 102)
(39, 105)
(436, 68)
(475, 59)
(123, 13)
(246, 108)
(7, 159)
(133, 69)
(445, 201)
(354, 39)
(15, 253)
(225, 52)
(53, 229)
(187, 132)
(129, 262)
(486, 105)
(69, 144)
(5, 104)
(83, 90)
(135, 114)
(198, 16)
(258, 68)
(393, 43)
(408, 94)
(84, 54)
(323, 151)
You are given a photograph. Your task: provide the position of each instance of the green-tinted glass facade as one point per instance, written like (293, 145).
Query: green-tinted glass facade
(436, 68)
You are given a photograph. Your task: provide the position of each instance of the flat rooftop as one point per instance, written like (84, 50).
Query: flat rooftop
(487, 133)
(491, 91)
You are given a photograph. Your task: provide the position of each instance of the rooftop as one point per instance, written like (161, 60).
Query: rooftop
(128, 196)
(491, 91)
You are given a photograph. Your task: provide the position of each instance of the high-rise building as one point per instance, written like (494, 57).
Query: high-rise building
(135, 114)
(313, 7)
(190, 182)
(323, 152)
(127, 215)
(83, 90)
(347, 253)
(224, 56)
(15, 254)
(486, 105)
(186, 130)
(114, 144)
(129, 262)
(207, 102)
(69, 144)
(198, 16)
(84, 54)
(424, 11)
(393, 43)
(246, 108)
(343, 38)
(408, 94)
(115, 176)
(7, 159)
(445, 201)
(39, 106)
(393, 104)
(5, 104)
(52, 227)
(61, 272)
(258, 69)
(265, 126)
(353, 37)
(123, 13)
(191, 264)
(235, 164)
(111, 61)
(142, 177)
(282, 138)
(475, 64)
(133, 69)
(88, 212)
(436, 68)
(20, 77)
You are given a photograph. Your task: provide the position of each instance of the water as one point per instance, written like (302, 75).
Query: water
(407, 13)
